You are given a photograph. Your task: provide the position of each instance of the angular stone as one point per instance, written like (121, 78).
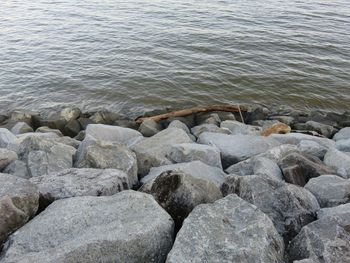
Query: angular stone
(296, 138)
(149, 128)
(6, 157)
(338, 161)
(18, 168)
(236, 148)
(207, 118)
(324, 129)
(343, 134)
(180, 125)
(70, 113)
(188, 152)
(45, 129)
(198, 130)
(6, 138)
(19, 201)
(153, 151)
(330, 190)
(312, 148)
(343, 145)
(125, 227)
(21, 127)
(72, 128)
(289, 120)
(238, 128)
(230, 230)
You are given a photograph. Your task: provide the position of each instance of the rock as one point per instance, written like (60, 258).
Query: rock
(104, 155)
(149, 128)
(343, 145)
(265, 123)
(326, 130)
(21, 116)
(180, 125)
(330, 190)
(131, 124)
(84, 122)
(290, 207)
(72, 128)
(46, 135)
(19, 201)
(45, 129)
(312, 148)
(126, 227)
(237, 128)
(6, 138)
(207, 118)
(21, 127)
(225, 116)
(6, 157)
(198, 130)
(289, 120)
(153, 151)
(178, 193)
(80, 182)
(17, 168)
(80, 136)
(340, 211)
(196, 169)
(213, 233)
(343, 134)
(325, 240)
(67, 141)
(338, 161)
(236, 148)
(257, 113)
(299, 169)
(111, 133)
(70, 113)
(278, 128)
(188, 152)
(105, 117)
(296, 138)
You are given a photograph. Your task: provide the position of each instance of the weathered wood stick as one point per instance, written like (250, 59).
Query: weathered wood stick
(186, 112)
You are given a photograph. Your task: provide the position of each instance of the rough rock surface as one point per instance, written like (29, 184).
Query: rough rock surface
(45, 129)
(6, 157)
(338, 161)
(324, 129)
(230, 230)
(126, 227)
(296, 138)
(19, 201)
(149, 128)
(6, 138)
(312, 148)
(21, 127)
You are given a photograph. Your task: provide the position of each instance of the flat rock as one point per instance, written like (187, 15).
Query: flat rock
(153, 151)
(6, 138)
(126, 227)
(338, 161)
(6, 157)
(239, 128)
(236, 148)
(21, 127)
(343, 134)
(330, 190)
(296, 138)
(19, 201)
(229, 230)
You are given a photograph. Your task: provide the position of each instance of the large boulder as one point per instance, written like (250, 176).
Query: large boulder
(236, 148)
(126, 227)
(6, 157)
(178, 193)
(237, 128)
(330, 190)
(290, 207)
(153, 151)
(188, 152)
(343, 134)
(338, 161)
(80, 182)
(229, 230)
(19, 201)
(343, 145)
(296, 138)
(6, 138)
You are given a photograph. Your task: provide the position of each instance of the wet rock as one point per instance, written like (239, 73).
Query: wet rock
(264, 123)
(80, 136)
(188, 152)
(338, 161)
(45, 129)
(6, 157)
(343, 145)
(21, 116)
(207, 118)
(330, 190)
(326, 130)
(149, 128)
(6, 138)
(343, 134)
(236, 148)
(237, 128)
(290, 207)
(72, 128)
(178, 193)
(84, 122)
(70, 113)
(198, 130)
(312, 148)
(299, 169)
(126, 227)
(19, 201)
(213, 233)
(296, 138)
(105, 117)
(257, 113)
(21, 127)
(153, 151)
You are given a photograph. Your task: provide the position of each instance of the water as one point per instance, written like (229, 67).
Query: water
(143, 54)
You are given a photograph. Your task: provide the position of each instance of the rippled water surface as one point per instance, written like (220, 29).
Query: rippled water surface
(144, 54)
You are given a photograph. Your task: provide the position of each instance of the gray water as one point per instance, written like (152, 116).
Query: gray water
(144, 54)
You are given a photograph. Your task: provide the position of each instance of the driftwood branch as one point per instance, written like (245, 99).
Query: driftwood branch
(186, 112)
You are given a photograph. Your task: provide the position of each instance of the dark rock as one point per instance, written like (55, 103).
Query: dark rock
(148, 128)
(257, 113)
(72, 128)
(289, 120)
(45, 129)
(127, 124)
(326, 130)
(84, 122)
(207, 118)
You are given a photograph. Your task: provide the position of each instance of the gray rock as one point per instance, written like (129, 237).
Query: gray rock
(265, 123)
(324, 129)
(339, 161)
(45, 129)
(178, 193)
(111, 133)
(72, 128)
(296, 138)
(207, 118)
(330, 190)
(67, 141)
(46, 135)
(188, 152)
(6, 138)
(198, 130)
(343, 134)
(70, 113)
(180, 125)
(149, 128)
(21, 127)
(6, 157)
(312, 148)
(290, 207)
(237, 128)
(299, 169)
(284, 119)
(153, 151)
(18, 168)
(340, 211)
(236, 148)
(80, 182)
(343, 145)
(19, 201)
(126, 227)
(20, 115)
(230, 230)
(325, 240)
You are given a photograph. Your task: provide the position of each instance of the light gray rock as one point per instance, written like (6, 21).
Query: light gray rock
(80, 182)
(296, 138)
(264, 123)
(6, 157)
(330, 190)
(237, 128)
(188, 152)
(343, 134)
(341, 211)
(312, 148)
(109, 133)
(45, 129)
(324, 129)
(230, 230)
(339, 161)
(21, 127)
(236, 148)
(290, 207)
(6, 138)
(67, 141)
(180, 125)
(149, 128)
(70, 113)
(46, 135)
(19, 201)
(18, 168)
(21, 115)
(343, 145)
(198, 130)
(207, 118)
(126, 227)
(284, 119)
(153, 151)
